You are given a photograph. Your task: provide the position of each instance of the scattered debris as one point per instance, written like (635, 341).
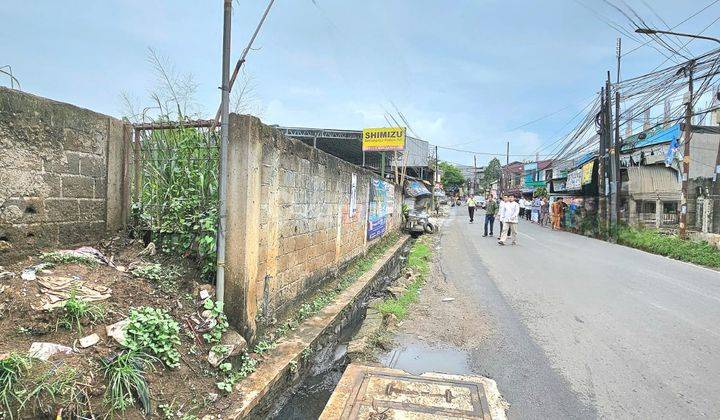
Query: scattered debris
(4, 275)
(148, 251)
(117, 330)
(396, 291)
(28, 274)
(391, 321)
(45, 351)
(234, 341)
(217, 354)
(90, 340)
(56, 290)
(121, 268)
(448, 299)
(204, 294)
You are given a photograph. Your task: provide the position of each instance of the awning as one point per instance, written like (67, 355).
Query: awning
(653, 183)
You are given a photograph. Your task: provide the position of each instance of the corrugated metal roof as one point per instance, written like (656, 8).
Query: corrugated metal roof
(653, 182)
(657, 136)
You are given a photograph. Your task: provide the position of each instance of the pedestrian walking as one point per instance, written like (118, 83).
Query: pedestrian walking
(471, 208)
(521, 202)
(544, 211)
(501, 213)
(491, 208)
(558, 211)
(511, 215)
(528, 209)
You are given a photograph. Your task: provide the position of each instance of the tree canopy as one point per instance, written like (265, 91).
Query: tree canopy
(452, 178)
(492, 172)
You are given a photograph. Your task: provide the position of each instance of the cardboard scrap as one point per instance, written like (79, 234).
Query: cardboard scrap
(56, 290)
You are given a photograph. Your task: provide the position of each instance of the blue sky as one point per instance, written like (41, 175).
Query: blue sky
(465, 73)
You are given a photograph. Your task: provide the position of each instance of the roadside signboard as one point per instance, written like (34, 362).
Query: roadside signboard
(381, 207)
(383, 139)
(574, 180)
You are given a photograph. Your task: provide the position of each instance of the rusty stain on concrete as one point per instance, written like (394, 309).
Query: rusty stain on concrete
(367, 392)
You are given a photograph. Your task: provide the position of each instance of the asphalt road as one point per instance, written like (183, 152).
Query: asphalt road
(581, 328)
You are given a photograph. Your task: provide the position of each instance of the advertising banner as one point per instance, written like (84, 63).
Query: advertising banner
(381, 206)
(383, 139)
(574, 180)
(587, 171)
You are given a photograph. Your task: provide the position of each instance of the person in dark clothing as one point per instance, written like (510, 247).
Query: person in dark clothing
(491, 208)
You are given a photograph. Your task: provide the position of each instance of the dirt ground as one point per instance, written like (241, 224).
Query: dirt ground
(456, 321)
(187, 389)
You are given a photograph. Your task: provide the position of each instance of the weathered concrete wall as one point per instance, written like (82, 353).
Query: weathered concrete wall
(61, 171)
(289, 224)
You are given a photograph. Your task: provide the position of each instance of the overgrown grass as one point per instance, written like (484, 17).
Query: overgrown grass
(57, 257)
(125, 373)
(419, 262)
(671, 246)
(179, 196)
(12, 368)
(75, 311)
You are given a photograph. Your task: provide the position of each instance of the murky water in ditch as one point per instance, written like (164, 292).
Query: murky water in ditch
(417, 357)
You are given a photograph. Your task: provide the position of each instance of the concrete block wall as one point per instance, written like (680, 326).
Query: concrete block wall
(299, 199)
(61, 171)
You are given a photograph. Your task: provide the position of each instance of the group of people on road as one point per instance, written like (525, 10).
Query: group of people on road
(508, 211)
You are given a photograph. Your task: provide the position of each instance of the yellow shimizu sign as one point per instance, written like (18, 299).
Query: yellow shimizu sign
(383, 139)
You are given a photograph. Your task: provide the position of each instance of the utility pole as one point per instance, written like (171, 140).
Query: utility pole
(612, 155)
(618, 142)
(222, 181)
(601, 201)
(686, 152)
(435, 176)
(474, 174)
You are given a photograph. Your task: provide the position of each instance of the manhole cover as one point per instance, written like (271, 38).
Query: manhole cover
(378, 393)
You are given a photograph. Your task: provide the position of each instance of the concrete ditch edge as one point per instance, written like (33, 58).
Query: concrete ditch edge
(281, 368)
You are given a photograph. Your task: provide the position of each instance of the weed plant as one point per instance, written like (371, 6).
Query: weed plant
(125, 373)
(75, 311)
(153, 330)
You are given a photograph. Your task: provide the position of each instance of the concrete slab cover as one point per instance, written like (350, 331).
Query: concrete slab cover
(366, 392)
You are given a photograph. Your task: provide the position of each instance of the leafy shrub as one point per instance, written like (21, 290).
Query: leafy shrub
(164, 277)
(155, 331)
(671, 246)
(179, 196)
(247, 366)
(58, 257)
(216, 311)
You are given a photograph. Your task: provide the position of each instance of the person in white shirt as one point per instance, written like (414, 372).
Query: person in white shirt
(511, 215)
(501, 213)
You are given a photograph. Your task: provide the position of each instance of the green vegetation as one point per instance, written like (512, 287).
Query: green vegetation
(59, 257)
(247, 366)
(12, 368)
(154, 330)
(30, 388)
(418, 261)
(164, 277)
(179, 193)
(125, 373)
(671, 246)
(492, 173)
(75, 311)
(452, 178)
(216, 311)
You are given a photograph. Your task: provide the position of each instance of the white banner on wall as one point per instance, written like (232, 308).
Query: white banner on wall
(353, 196)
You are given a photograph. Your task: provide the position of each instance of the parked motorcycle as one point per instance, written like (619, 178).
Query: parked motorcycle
(418, 222)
